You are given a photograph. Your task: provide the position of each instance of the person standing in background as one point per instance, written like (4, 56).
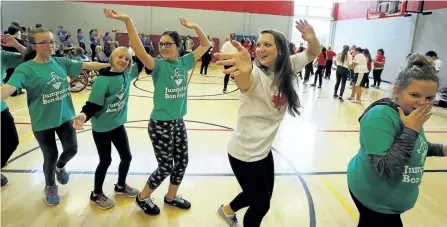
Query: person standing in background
(379, 64)
(330, 56)
(228, 48)
(437, 63)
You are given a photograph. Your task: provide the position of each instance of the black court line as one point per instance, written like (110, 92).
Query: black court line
(310, 202)
(219, 94)
(79, 132)
(211, 99)
(191, 82)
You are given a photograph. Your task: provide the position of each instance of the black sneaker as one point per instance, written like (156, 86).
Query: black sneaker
(148, 206)
(340, 99)
(335, 96)
(179, 202)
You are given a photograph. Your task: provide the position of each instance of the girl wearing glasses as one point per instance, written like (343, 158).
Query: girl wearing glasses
(166, 127)
(50, 104)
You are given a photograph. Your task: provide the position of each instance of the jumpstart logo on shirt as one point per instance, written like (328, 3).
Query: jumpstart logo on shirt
(180, 91)
(56, 83)
(417, 171)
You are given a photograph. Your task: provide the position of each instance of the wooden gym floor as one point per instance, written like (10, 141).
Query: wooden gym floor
(311, 154)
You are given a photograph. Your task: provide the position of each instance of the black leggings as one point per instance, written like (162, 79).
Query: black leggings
(370, 218)
(257, 180)
(328, 68)
(227, 77)
(319, 74)
(342, 76)
(103, 141)
(47, 142)
(206, 59)
(377, 73)
(365, 80)
(10, 139)
(170, 143)
(309, 70)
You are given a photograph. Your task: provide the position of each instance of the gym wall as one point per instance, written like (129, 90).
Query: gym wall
(217, 18)
(398, 36)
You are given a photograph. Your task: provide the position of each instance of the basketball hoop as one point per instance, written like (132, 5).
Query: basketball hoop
(374, 15)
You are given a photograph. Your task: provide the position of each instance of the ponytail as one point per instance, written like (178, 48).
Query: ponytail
(344, 54)
(30, 53)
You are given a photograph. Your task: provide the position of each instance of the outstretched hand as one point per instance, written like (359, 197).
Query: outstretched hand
(78, 121)
(240, 61)
(8, 40)
(307, 31)
(188, 24)
(109, 13)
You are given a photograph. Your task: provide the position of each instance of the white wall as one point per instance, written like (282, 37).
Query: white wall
(431, 35)
(398, 36)
(393, 35)
(147, 19)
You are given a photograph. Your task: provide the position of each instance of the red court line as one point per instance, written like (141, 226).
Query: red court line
(230, 130)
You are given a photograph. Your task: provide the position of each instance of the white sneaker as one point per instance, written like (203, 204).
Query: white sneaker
(231, 221)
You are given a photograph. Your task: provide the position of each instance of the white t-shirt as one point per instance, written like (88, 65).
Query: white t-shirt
(347, 61)
(228, 48)
(437, 64)
(258, 117)
(362, 64)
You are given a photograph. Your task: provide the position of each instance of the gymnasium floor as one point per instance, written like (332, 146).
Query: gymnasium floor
(311, 154)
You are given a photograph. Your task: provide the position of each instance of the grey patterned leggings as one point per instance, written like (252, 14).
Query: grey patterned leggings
(170, 144)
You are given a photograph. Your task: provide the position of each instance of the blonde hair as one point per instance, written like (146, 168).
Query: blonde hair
(119, 50)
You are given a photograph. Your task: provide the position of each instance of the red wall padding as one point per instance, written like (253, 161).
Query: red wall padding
(283, 8)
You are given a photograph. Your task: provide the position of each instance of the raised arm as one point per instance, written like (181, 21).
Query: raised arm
(94, 65)
(308, 34)
(10, 41)
(204, 42)
(134, 39)
(241, 65)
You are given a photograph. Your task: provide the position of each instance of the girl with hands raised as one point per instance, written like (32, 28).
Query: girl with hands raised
(384, 176)
(166, 128)
(267, 91)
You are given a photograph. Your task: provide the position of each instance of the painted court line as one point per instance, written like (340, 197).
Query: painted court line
(230, 130)
(340, 199)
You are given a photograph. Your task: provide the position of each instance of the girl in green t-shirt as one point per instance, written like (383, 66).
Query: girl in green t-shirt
(385, 174)
(107, 107)
(166, 127)
(50, 105)
(9, 136)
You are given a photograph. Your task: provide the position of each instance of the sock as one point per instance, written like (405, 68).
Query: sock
(169, 200)
(227, 215)
(58, 169)
(119, 187)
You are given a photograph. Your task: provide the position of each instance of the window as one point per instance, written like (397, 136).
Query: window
(319, 12)
(299, 10)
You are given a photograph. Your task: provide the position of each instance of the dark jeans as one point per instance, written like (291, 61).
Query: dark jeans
(257, 180)
(103, 141)
(10, 139)
(47, 143)
(377, 73)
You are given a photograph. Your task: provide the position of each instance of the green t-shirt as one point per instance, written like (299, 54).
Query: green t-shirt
(48, 92)
(111, 91)
(171, 87)
(9, 60)
(378, 129)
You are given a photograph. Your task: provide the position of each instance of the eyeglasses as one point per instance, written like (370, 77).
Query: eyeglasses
(52, 42)
(167, 44)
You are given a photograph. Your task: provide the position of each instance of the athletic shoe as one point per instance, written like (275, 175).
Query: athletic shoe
(179, 202)
(4, 180)
(101, 201)
(148, 206)
(62, 176)
(51, 195)
(126, 190)
(230, 220)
